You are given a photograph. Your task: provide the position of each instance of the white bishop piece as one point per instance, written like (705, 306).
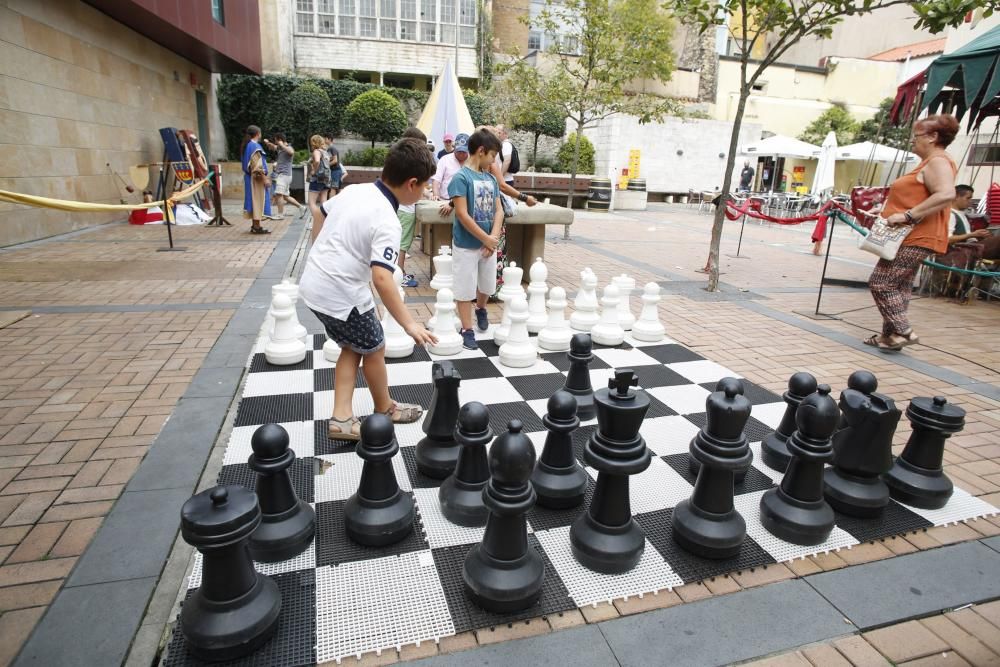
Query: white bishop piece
(608, 331)
(449, 340)
(556, 334)
(537, 317)
(511, 288)
(518, 352)
(284, 348)
(444, 276)
(585, 315)
(648, 327)
(398, 343)
(625, 285)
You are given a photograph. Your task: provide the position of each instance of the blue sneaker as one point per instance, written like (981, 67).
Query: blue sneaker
(409, 280)
(482, 321)
(469, 340)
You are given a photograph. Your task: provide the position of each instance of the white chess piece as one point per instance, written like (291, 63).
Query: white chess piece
(648, 327)
(518, 352)
(511, 288)
(585, 315)
(291, 290)
(444, 276)
(331, 351)
(557, 333)
(398, 343)
(537, 317)
(625, 285)
(607, 331)
(284, 348)
(449, 340)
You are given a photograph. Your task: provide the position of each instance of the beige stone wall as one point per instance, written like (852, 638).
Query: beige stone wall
(509, 32)
(79, 91)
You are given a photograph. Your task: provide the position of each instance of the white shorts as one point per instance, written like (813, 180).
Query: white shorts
(282, 183)
(472, 273)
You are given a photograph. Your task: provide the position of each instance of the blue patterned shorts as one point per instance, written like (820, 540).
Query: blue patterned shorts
(361, 332)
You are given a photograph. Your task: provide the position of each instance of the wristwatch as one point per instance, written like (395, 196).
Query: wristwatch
(909, 217)
(522, 197)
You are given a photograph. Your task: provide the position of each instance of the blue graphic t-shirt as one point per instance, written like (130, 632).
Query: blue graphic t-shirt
(480, 191)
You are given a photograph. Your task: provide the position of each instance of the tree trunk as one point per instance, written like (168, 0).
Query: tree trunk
(534, 152)
(727, 182)
(576, 166)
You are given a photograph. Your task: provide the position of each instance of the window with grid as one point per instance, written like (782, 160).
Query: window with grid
(367, 19)
(387, 20)
(535, 40)
(408, 24)
(467, 19)
(218, 12)
(304, 16)
(345, 20)
(326, 19)
(984, 154)
(428, 20)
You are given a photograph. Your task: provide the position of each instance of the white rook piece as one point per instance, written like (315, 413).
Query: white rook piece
(284, 348)
(556, 334)
(625, 285)
(608, 331)
(648, 327)
(585, 315)
(398, 343)
(518, 352)
(449, 340)
(511, 288)
(537, 317)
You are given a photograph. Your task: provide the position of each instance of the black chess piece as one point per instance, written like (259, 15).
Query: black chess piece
(578, 377)
(606, 538)
(861, 381)
(236, 609)
(796, 511)
(503, 574)
(437, 453)
(741, 472)
(916, 477)
(461, 494)
(708, 524)
(862, 451)
(559, 479)
(379, 514)
(774, 449)
(288, 523)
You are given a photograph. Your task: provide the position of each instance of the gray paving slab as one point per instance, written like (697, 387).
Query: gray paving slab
(992, 543)
(894, 590)
(581, 647)
(725, 629)
(210, 382)
(88, 626)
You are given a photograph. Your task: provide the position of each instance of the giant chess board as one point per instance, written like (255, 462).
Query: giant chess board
(341, 599)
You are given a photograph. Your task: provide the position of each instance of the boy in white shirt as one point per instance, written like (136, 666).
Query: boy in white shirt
(361, 243)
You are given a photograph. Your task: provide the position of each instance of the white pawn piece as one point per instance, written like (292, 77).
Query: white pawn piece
(537, 289)
(291, 290)
(511, 288)
(608, 331)
(648, 327)
(518, 352)
(557, 333)
(585, 315)
(398, 343)
(449, 340)
(443, 273)
(625, 285)
(331, 351)
(284, 348)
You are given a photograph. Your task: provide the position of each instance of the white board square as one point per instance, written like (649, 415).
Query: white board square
(487, 391)
(769, 414)
(684, 399)
(668, 435)
(413, 372)
(279, 382)
(748, 505)
(625, 358)
(340, 474)
(702, 370)
(301, 440)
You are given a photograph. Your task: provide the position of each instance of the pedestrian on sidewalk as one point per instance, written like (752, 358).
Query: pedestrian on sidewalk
(337, 171)
(256, 180)
(282, 172)
(407, 215)
(319, 181)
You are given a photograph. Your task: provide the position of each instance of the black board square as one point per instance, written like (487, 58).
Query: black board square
(580, 437)
(756, 394)
(323, 444)
(543, 518)
(476, 368)
(561, 361)
(418, 480)
(535, 387)
(318, 341)
(274, 409)
(419, 354)
(687, 565)
(302, 472)
(658, 376)
(671, 353)
(502, 413)
(489, 347)
(894, 520)
(334, 547)
(754, 430)
(259, 364)
(658, 408)
(754, 481)
(323, 379)
(413, 393)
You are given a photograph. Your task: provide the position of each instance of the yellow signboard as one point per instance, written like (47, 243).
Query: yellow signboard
(633, 163)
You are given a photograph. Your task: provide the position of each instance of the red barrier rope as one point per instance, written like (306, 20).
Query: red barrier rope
(752, 207)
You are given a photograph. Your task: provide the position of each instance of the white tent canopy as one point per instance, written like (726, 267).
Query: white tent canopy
(823, 180)
(445, 112)
(782, 146)
(872, 152)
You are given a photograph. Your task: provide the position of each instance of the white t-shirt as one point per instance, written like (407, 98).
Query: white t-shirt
(361, 231)
(506, 150)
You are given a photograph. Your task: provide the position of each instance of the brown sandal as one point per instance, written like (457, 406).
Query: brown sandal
(345, 429)
(875, 340)
(404, 413)
(910, 338)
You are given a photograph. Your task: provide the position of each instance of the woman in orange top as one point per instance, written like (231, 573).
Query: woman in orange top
(920, 199)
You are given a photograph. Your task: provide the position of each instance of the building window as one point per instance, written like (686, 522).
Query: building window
(984, 154)
(387, 22)
(564, 42)
(345, 21)
(304, 16)
(534, 40)
(467, 19)
(218, 12)
(326, 19)
(408, 30)
(410, 20)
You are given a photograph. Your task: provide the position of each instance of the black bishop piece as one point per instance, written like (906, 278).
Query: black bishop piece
(236, 609)
(437, 453)
(724, 422)
(578, 377)
(288, 523)
(917, 477)
(461, 494)
(606, 538)
(773, 449)
(503, 574)
(559, 479)
(708, 524)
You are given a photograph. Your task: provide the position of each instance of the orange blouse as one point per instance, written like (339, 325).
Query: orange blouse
(905, 193)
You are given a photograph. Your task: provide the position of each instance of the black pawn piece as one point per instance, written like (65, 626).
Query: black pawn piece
(916, 477)
(437, 453)
(693, 463)
(461, 494)
(606, 538)
(578, 376)
(502, 574)
(379, 513)
(235, 610)
(708, 524)
(288, 523)
(774, 449)
(559, 479)
(863, 381)
(862, 451)
(796, 511)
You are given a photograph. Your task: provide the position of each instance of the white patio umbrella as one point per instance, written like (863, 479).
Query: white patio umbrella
(780, 146)
(823, 180)
(872, 152)
(445, 111)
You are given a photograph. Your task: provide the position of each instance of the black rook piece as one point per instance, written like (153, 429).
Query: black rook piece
(461, 494)
(437, 454)
(916, 477)
(502, 574)
(288, 524)
(707, 524)
(559, 479)
(774, 450)
(862, 450)
(796, 511)
(606, 538)
(693, 463)
(578, 376)
(379, 513)
(235, 610)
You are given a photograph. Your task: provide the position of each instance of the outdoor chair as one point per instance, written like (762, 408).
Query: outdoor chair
(693, 198)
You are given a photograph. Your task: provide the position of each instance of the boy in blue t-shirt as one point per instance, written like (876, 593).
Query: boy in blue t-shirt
(475, 233)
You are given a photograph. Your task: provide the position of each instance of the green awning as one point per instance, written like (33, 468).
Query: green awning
(972, 69)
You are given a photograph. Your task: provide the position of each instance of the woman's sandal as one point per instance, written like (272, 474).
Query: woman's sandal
(404, 413)
(910, 338)
(875, 340)
(257, 229)
(345, 429)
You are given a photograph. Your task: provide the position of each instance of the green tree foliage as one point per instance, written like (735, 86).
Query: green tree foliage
(548, 120)
(307, 113)
(836, 119)
(879, 130)
(569, 156)
(479, 108)
(375, 115)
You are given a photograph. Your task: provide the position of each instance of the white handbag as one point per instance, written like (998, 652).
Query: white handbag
(884, 240)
